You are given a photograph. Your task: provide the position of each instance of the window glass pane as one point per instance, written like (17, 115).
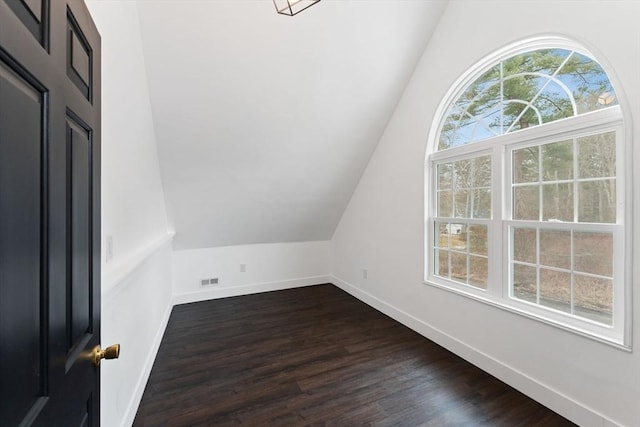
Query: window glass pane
(487, 81)
(445, 208)
(485, 85)
(553, 103)
(459, 131)
(555, 289)
(594, 298)
(597, 156)
(559, 177)
(532, 99)
(527, 116)
(477, 235)
(458, 233)
(524, 282)
(526, 204)
(478, 271)
(482, 203)
(447, 134)
(557, 161)
(462, 127)
(463, 203)
(524, 245)
(526, 90)
(481, 181)
(488, 124)
(462, 188)
(588, 83)
(482, 172)
(441, 264)
(448, 131)
(463, 174)
(597, 201)
(593, 253)
(555, 248)
(517, 116)
(471, 117)
(545, 61)
(444, 176)
(557, 202)
(525, 165)
(441, 235)
(483, 108)
(482, 93)
(459, 267)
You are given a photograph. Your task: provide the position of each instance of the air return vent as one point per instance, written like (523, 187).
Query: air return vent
(209, 282)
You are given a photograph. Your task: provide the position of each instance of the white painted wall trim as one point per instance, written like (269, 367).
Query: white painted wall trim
(558, 402)
(114, 276)
(254, 288)
(132, 408)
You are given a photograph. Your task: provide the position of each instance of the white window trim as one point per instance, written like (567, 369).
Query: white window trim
(497, 290)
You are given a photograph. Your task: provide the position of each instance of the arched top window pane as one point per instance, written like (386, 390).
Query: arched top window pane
(526, 90)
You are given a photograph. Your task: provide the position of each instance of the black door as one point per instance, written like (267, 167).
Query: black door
(49, 213)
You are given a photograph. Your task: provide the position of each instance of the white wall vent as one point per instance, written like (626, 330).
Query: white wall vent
(209, 282)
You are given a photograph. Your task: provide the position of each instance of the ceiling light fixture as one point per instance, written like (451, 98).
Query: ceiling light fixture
(292, 7)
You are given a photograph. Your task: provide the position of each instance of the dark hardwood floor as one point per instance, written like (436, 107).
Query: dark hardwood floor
(317, 356)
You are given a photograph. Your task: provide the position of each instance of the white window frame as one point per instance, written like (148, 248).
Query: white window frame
(500, 147)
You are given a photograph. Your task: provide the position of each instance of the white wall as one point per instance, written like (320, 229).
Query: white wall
(265, 122)
(135, 315)
(133, 212)
(268, 267)
(382, 228)
(133, 208)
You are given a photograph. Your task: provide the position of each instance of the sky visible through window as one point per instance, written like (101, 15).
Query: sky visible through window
(560, 211)
(526, 90)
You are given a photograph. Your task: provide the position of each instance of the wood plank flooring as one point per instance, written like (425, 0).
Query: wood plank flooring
(317, 356)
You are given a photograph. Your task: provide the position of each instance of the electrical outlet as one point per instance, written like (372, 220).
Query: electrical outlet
(243, 268)
(109, 249)
(365, 273)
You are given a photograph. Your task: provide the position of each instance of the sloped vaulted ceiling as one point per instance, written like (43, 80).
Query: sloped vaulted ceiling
(265, 122)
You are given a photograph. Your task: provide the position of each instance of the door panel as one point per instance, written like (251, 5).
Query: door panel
(79, 298)
(23, 306)
(34, 16)
(49, 213)
(79, 60)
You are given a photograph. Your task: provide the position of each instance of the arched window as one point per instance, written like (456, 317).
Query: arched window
(525, 179)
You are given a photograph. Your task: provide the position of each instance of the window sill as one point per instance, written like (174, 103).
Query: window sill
(484, 297)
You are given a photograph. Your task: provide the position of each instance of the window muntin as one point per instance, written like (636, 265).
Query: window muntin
(565, 182)
(572, 180)
(555, 220)
(463, 207)
(464, 188)
(461, 252)
(565, 270)
(526, 90)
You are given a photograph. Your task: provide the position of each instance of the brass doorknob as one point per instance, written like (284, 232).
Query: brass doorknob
(111, 352)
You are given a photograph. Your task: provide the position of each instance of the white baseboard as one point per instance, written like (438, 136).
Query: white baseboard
(254, 288)
(134, 403)
(547, 396)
